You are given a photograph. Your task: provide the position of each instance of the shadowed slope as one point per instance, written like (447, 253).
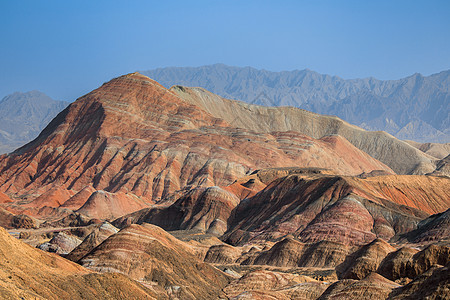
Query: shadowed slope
(349, 210)
(433, 229)
(205, 209)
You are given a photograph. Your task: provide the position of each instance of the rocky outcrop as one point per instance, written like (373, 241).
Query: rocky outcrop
(292, 253)
(71, 220)
(433, 229)
(24, 221)
(442, 167)
(374, 286)
(433, 284)
(396, 264)
(149, 254)
(408, 263)
(61, 243)
(95, 238)
(365, 260)
(222, 254)
(6, 218)
(205, 209)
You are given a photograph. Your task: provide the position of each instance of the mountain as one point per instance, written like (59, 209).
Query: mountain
(181, 194)
(23, 116)
(398, 155)
(134, 136)
(439, 151)
(414, 108)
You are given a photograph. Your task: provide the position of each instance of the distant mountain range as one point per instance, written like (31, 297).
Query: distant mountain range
(23, 116)
(412, 108)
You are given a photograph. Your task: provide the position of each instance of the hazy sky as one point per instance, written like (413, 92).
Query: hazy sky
(67, 48)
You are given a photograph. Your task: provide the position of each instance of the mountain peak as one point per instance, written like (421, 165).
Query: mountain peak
(137, 77)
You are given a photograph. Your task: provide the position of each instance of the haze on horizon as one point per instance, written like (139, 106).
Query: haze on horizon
(67, 48)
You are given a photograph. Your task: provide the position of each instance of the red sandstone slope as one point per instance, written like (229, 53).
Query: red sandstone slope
(109, 206)
(132, 135)
(4, 198)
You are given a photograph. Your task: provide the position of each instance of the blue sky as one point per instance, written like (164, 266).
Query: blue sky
(67, 48)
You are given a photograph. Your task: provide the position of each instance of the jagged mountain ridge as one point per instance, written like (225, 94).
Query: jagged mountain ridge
(414, 107)
(23, 116)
